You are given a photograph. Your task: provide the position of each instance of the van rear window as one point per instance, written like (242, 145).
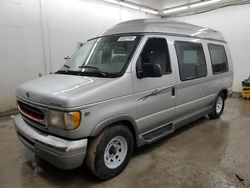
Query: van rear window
(218, 58)
(191, 60)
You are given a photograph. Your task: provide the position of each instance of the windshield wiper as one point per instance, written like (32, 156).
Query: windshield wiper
(66, 66)
(64, 71)
(93, 67)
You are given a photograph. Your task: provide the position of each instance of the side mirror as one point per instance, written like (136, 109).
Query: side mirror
(150, 70)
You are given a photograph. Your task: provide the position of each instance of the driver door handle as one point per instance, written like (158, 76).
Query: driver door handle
(173, 92)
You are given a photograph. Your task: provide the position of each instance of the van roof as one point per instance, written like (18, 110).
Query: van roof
(169, 27)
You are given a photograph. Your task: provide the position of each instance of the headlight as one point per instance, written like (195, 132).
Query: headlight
(64, 120)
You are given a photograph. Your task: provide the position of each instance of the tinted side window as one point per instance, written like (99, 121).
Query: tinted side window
(218, 58)
(191, 60)
(155, 51)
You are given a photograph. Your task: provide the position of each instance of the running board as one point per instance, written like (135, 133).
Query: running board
(158, 133)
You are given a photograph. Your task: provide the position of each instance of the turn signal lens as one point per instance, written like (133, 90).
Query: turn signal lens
(72, 120)
(76, 119)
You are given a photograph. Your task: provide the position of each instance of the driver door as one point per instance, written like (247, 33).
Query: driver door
(155, 96)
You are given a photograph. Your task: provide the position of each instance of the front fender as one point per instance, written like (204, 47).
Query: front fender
(119, 118)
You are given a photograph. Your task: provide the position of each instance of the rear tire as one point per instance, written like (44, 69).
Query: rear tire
(218, 107)
(109, 152)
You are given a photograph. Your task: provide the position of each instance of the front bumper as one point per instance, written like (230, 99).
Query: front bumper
(62, 153)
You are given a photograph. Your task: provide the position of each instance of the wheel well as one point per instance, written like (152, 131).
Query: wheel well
(224, 92)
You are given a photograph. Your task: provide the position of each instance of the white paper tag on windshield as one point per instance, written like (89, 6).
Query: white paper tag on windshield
(127, 38)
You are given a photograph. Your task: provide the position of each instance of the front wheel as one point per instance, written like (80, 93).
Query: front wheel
(109, 152)
(218, 107)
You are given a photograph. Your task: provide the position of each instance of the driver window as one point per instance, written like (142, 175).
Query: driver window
(155, 51)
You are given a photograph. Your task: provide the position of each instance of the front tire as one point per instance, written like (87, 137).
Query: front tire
(218, 107)
(109, 152)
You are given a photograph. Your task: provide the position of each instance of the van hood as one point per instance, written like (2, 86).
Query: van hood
(59, 90)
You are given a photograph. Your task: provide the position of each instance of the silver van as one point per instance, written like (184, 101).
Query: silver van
(134, 84)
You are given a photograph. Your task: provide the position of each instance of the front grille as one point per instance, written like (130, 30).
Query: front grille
(30, 111)
(33, 123)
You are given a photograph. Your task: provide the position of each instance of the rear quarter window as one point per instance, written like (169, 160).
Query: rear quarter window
(191, 60)
(218, 58)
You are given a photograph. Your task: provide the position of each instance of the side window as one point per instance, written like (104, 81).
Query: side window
(191, 60)
(218, 58)
(155, 51)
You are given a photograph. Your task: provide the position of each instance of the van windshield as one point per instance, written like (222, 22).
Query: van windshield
(102, 57)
